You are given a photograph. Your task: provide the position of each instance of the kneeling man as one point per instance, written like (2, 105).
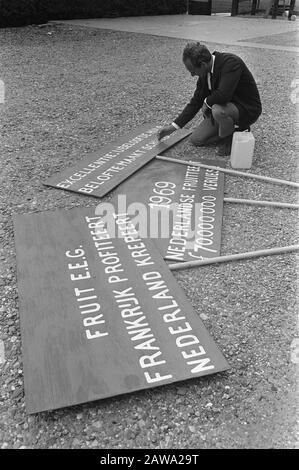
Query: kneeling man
(226, 92)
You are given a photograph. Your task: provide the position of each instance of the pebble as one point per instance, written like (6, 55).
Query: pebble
(94, 443)
(76, 442)
(295, 351)
(17, 444)
(97, 424)
(203, 316)
(129, 434)
(130, 443)
(182, 391)
(2, 352)
(18, 393)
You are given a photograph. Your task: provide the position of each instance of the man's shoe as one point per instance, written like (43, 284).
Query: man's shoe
(224, 149)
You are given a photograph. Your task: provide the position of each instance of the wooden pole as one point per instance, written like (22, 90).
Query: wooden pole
(261, 203)
(253, 7)
(231, 172)
(291, 8)
(238, 256)
(235, 7)
(274, 9)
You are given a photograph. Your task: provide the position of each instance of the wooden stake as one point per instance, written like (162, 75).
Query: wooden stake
(261, 203)
(231, 172)
(238, 256)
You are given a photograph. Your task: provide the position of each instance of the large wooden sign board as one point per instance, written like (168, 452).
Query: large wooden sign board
(101, 171)
(101, 316)
(184, 208)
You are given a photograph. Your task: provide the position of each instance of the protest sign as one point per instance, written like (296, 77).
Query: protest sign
(101, 171)
(101, 316)
(180, 207)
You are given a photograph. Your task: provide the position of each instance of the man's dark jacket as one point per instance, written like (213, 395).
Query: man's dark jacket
(231, 81)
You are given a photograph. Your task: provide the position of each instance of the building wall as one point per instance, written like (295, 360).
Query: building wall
(224, 6)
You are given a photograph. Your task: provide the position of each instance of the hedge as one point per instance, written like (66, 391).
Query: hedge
(22, 12)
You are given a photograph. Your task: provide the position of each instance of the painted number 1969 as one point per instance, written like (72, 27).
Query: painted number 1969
(162, 192)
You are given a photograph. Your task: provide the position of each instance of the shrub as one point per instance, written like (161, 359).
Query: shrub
(21, 12)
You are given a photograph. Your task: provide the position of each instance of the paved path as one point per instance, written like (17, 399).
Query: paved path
(220, 29)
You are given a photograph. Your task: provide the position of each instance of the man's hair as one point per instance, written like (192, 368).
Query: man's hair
(196, 53)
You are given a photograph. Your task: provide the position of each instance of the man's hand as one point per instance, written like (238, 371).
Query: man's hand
(166, 130)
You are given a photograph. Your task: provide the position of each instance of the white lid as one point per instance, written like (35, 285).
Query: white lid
(242, 136)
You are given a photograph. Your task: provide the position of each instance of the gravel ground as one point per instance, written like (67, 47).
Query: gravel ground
(69, 91)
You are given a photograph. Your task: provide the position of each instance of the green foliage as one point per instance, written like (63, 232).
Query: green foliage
(18, 12)
(21, 12)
